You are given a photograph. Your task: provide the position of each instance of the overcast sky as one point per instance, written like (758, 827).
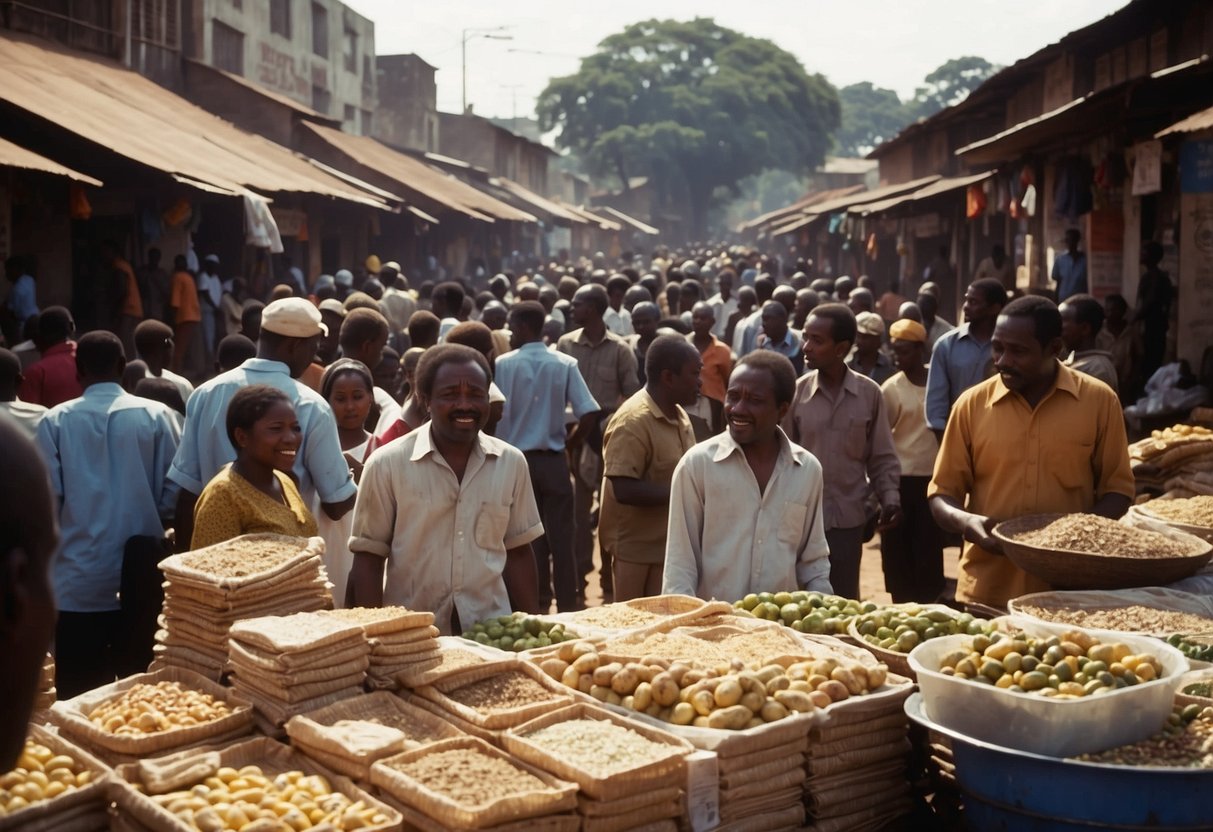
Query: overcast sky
(892, 43)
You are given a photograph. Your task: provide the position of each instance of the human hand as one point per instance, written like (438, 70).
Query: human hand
(977, 531)
(890, 516)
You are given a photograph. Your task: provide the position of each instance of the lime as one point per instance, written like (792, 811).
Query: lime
(782, 598)
(749, 602)
(789, 612)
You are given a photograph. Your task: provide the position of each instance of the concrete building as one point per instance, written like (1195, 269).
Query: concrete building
(407, 117)
(484, 144)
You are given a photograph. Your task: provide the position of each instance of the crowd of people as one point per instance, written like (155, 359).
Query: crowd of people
(712, 422)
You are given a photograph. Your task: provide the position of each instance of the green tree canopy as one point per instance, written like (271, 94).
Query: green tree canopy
(695, 107)
(950, 84)
(870, 115)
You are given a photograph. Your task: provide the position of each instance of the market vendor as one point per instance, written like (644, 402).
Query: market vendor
(1038, 438)
(745, 506)
(447, 510)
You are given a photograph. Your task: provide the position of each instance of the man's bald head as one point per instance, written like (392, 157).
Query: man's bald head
(29, 536)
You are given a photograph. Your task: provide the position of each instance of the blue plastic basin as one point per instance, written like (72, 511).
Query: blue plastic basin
(1006, 789)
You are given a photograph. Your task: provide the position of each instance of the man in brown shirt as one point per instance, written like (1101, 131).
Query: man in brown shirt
(608, 365)
(839, 416)
(643, 443)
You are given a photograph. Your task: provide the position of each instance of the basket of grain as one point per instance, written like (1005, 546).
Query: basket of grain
(656, 613)
(259, 784)
(606, 755)
(1085, 551)
(467, 783)
(1193, 515)
(153, 713)
(55, 786)
(1153, 611)
(244, 563)
(493, 697)
(350, 735)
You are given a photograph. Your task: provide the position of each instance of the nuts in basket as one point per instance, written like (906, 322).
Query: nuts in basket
(242, 556)
(233, 799)
(469, 777)
(40, 775)
(1186, 741)
(1070, 666)
(150, 709)
(600, 747)
(502, 692)
(1191, 511)
(1092, 533)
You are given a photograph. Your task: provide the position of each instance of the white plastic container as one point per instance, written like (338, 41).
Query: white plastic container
(1053, 727)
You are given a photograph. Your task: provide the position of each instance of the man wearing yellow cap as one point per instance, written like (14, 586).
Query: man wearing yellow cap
(912, 554)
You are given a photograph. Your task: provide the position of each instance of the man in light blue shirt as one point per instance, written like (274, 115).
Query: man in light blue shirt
(777, 337)
(537, 384)
(962, 357)
(22, 300)
(290, 331)
(108, 454)
(745, 336)
(1070, 268)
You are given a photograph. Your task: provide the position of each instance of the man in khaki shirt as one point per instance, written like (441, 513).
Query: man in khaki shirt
(448, 509)
(608, 365)
(1037, 438)
(643, 442)
(838, 415)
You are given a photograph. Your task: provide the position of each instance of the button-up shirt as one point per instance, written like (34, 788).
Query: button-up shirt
(26, 415)
(51, 380)
(640, 443)
(939, 328)
(1008, 459)
(848, 432)
(538, 383)
(445, 539)
(882, 370)
(745, 334)
(723, 310)
(717, 365)
(618, 321)
(727, 539)
(915, 443)
(958, 362)
(108, 455)
(608, 367)
(320, 467)
(1070, 273)
(22, 299)
(789, 347)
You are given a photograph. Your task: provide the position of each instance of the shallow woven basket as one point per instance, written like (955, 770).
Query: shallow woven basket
(54, 814)
(1095, 570)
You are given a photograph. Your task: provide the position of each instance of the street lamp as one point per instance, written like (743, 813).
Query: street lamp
(471, 34)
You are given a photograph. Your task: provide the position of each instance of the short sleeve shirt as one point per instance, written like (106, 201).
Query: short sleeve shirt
(640, 443)
(183, 298)
(231, 506)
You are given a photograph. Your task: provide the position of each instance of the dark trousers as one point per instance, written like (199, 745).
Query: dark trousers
(554, 495)
(912, 553)
(846, 549)
(86, 651)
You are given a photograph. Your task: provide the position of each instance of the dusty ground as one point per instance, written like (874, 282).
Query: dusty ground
(871, 576)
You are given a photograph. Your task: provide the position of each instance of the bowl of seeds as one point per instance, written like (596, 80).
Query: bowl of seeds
(1086, 551)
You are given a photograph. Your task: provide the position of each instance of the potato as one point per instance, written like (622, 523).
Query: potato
(604, 673)
(877, 676)
(728, 693)
(554, 668)
(570, 677)
(837, 691)
(820, 698)
(753, 700)
(773, 711)
(625, 681)
(584, 682)
(794, 700)
(642, 697)
(778, 683)
(682, 714)
(704, 702)
(587, 662)
(665, 689)
(677, 670)
(733, 718)
(842, 674)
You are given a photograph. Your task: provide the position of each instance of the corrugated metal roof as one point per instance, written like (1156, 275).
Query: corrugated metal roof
(15, 156)
(416, 177)
(132, 116)
(842, 203)
(936, 188)
(1192, 124)
(817, 196)
(542, 203)
(642, 227)
(602, 222)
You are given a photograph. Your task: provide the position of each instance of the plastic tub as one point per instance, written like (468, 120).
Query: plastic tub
(1005, 789)
(1054, 727)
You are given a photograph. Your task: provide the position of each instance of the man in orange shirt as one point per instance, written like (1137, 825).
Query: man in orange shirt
(1036, 438)
(125, 297)
(183, 300)
(717, 361)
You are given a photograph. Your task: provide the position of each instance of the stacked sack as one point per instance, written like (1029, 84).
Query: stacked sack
(401, 641)
(857, 761)
(1178, 459)
(289, 665)
(762, 777)
(206, 591)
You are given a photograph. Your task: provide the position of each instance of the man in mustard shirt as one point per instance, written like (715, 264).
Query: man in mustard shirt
(1036, 438)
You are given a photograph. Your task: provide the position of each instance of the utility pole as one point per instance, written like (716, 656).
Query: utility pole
(471, 34)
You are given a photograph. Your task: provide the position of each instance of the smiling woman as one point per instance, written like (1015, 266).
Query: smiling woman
(255, 493)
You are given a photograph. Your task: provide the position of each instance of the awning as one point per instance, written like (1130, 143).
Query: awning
(15, 156)
(771, 217)
(1192, 124)
(416, 178)
(536, 201)
(642, 227)
(842, 203)
(937, 188)
(591, 217)
(118, 109)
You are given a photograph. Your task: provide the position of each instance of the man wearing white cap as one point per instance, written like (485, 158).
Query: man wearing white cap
(397, 303)
(866, 358)
(291, 329)
(344, 279)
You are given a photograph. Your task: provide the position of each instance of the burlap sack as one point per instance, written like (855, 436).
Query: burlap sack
(269, 688)
(850, 760)
(242, 658)
(387, 621)
(772, 784)
(289, 551)
(306, 578)
(276, 604)
(790, 817)
(887, 738)
(295, 633)
(867, 819)
(321, 657)
(404, 636)
(277, 713)
(832, 731)
(415, 821)
(403, 649)
(80, 802)
(590, 808)
(636, 819)
(737, 809)
(741, 762)
(773, 767)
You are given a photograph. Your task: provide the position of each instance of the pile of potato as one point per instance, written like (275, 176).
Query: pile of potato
(730, 697)
(40, 775)
(248, 799)
(150, 709)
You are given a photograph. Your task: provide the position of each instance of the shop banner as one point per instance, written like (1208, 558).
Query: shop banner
(1196, 167)
(1147, 168)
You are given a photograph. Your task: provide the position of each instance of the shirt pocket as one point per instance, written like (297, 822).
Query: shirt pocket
(855, 439)
(791, 523)
(491, 525)
(1072, 465)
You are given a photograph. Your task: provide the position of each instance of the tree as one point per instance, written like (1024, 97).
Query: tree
(870, 115)
(950, 84)
(695, 107)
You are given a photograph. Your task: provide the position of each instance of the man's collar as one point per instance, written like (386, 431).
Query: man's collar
(583, 338)
(658, 413)
(850, 382)
(424, 445)
(728, 446)
(266, 365)
(1066, 379)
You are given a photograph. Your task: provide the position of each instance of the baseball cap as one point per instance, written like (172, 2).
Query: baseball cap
(869, 323)
(907, 330)
(344, 277)
(333, 305)
(392, 264)
(294, 318)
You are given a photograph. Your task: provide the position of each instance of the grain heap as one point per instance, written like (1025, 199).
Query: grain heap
(289, 665)
(208, 590)
(1099, 535)
(1190, 511)
(402, 641)
(1131, 618)
(1179, 457)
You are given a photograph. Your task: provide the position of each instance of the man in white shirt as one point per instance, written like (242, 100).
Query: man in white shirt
(25, 414)
(448, 510)
(617, 318)
(210, 300)
(745, 506)
(724, 302)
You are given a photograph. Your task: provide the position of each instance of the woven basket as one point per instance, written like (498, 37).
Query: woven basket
(558, 796)
(52, 814)
(439, 693)
(389, 621)
(1094, 570)
(649, 815)
(72, 716)
(272, 757)
(301, 632)
(1159, 598)
(415, 821)
(638, 799)
(670, 767)
(1155, 520)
